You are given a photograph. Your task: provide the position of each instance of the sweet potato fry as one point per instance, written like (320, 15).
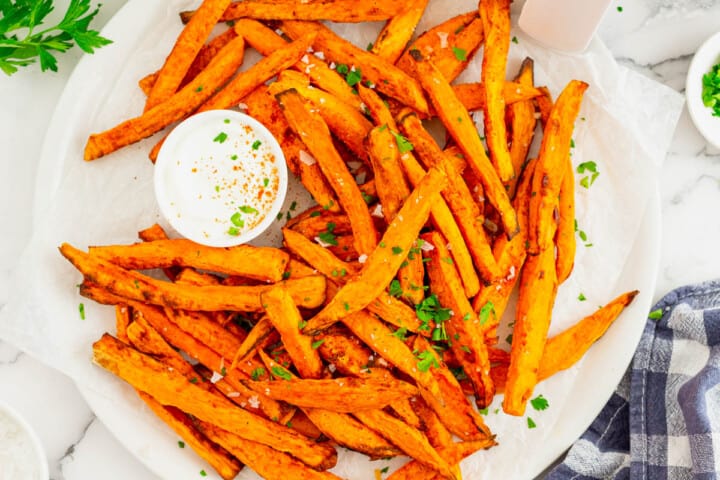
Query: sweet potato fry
(450, 45)
(552, 166)
(186, 48)
(285, 317)
(345, 121)
(220, 459)
(333, 10)
(472, 95)
(181, 104)
(565, 242)
(398, 31)
(392, 188)
(122, 321)
(261, 263)
(264, 460)
(522, 121)
(171, 388)
(307, 292)
(544, 104)
(322, 149)
(564, 349)
(205, 330)
(461, 127)
(463, 329)
(538, 287)
(265, 109)
(341, 427)
(262, 329)
(311, 227)
(411, 441)
(383, 263)
(343, 394)
(268, 67)
(265, 41)
(387, 78)
(457, 195)
(443, 220)
(376, 107)
(495, 15)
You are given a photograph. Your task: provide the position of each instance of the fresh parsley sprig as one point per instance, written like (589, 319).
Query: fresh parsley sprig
(23, 41)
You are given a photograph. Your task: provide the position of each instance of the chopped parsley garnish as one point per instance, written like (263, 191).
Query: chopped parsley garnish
(181, 444)
(353, 77)
(293, 205)
(221, 137)
(234, 231)
(395, 289)
(237, 219)
(248, 209)
(509, 338)
(328, 236)
(256, 144)
(369, 46)
(460, 54)
(203, 473)
(583, 236)
(582, 297)
(315, 214)
(485, 312)
(286, 274)
(342, 69)
(619, 9)
(400, 333)
(514, 39)
(315, 345)
(539, 403)
(403, 143)
(369, 199)
(194, 380)
(711, 89)
(384, 469)
(281, 373)
(266, 182)
(656, 314)
(199, 88)
(590, 167)
(448, 260)
(302, 324)
(233, 157)
(346, 306)
(531, 423)
(431, 310)
(397, 250)
(426, 359)
(257, 373)
(279, 216)
(81, 309)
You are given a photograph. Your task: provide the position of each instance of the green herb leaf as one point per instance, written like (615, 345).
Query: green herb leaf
(485, 312)
(281, 373)
(353, 77)
(237, 220)
(539, 403)
(397, 250)
(266, 182)
(460, 54)
(221, 137)
(315, 345)
(400, 333)
(403, 143)
(582, 297)
(181, 444)
(81, 309)
(656, 314)
(711, 89)
(257, 373)
(203, 473)
(395, 289)
(426, 359)
(531, 423)
(248, 209)
(256, 144)
(430, 310)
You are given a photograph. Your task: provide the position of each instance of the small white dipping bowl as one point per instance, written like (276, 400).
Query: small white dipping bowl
(220, 178)
(22, 456)
(707, 55)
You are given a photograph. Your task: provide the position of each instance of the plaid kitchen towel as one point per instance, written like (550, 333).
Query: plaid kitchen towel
(663, 421)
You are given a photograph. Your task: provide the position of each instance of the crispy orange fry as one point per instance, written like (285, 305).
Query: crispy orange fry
(472, 95)
(262, 329)
(522, 121)
(171, 388)
(495, 15)
(264, 460)
(343, 394)
(383, 263)
(285, 317)
(461, 127)
(565, 242)
(464, 327)
(265, 109)
(564, 349)
(376, 107)
(186, 48)
(457, 195)
(392, 189)
(387, 78)
(311, 227)
(443, 221)
(262, 263)
(449, 45)
(315, 134)
(544, 104)
(181, 104)
(265, 41)
(398, 31)
(122, 321)
(538, 287)
(552, 166)
(333, 10)
(308, 292)
(411, 441)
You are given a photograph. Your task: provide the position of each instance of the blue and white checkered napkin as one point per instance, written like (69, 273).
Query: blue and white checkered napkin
(663, 421)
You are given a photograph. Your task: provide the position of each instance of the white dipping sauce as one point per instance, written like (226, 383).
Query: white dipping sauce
(220, 178)
(21, 457)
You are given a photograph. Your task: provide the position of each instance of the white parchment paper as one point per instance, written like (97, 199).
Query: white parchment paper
(626, 127)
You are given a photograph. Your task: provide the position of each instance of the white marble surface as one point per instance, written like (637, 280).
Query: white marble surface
(655, 37)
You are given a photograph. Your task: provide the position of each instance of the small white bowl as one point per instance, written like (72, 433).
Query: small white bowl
(707, 55)
(30, 461)
(220, 178)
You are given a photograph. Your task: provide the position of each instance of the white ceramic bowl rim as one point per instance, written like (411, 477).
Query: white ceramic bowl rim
(706, 56)
(38, 450)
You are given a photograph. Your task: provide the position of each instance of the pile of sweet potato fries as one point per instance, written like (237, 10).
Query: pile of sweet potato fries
(377, 320)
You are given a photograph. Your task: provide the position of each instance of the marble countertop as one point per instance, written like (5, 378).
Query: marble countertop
(654, 37)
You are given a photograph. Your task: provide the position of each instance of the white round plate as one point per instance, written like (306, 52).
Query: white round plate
(103, 87)
(707, 55)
